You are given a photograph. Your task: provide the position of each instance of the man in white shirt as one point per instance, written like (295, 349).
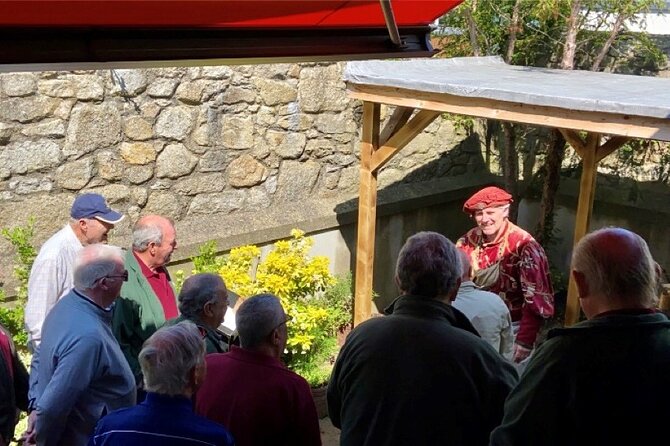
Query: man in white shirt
(487, 312)
(52, 271)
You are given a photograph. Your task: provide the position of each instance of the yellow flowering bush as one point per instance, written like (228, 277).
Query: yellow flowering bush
(300, 282)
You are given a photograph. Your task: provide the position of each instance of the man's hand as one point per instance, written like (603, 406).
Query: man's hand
(520, 353)
(28, 437)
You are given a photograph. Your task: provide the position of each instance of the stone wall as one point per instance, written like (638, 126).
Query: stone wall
(225, 151)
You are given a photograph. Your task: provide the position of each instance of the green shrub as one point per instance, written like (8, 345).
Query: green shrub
(11, 316)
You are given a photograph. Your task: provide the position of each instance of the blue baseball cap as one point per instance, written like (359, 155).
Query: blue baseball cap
(94, 206)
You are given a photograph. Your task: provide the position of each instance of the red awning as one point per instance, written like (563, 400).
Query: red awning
(71, 31)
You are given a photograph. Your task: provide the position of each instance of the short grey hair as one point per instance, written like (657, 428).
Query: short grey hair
(168, 357)
(617, 264)
(94, 262)
(466, 264)
(196, 292)
(428, 265)
(145, 233)
(257, 317)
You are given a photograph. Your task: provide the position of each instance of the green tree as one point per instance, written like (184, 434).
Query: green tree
(568, 34)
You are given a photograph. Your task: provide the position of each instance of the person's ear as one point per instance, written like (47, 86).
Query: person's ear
(582, 284)
(207, 309)
(396, 279)
(453, 293)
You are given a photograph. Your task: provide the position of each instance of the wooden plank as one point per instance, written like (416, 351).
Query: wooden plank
(402, 137)
(582, 219)
(367, 214)
(399, 117)
(610, 146)
(554, 117)
(576, 141)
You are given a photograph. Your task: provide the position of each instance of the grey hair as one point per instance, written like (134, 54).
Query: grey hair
(145, 233)
(466, 264)
(168, 357)
(428, 265)
(196, 292)
(94, 262)
(616, 263)
(257, 317)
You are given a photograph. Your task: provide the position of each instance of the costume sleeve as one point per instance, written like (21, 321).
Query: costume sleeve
(44, 288)
(538, 293)
(532, 413)
(124, 321)
(76, 367)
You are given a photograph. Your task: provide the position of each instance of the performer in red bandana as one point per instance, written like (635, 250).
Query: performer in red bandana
(508, 261)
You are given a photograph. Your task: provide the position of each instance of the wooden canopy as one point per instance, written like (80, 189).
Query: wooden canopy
(595, 112)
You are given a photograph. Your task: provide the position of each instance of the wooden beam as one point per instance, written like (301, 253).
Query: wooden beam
(587, 188)
(403, 137)
(367, 214)
(555, 117)
(574, 140)
(610, 146)
(399, 117)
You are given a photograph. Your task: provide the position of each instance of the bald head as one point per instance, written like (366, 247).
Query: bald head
(617, 266)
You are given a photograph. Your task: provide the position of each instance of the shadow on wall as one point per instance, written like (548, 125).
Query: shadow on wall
(428, 198)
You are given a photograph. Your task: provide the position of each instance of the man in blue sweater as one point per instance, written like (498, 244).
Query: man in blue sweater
(82, 372)
(173, 366)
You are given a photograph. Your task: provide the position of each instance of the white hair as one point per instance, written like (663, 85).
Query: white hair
(94, 262)
(257, 317)
(168, 357)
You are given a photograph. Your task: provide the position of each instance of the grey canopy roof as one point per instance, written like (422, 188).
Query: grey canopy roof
(492, 78)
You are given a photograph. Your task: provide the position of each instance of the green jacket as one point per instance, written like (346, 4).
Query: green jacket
(138, 313)
(215, 340)
(601, 382)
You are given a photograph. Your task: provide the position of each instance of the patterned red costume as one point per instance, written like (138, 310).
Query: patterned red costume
(513, 265)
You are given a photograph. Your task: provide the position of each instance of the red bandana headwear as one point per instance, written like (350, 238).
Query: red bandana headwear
(488, 197)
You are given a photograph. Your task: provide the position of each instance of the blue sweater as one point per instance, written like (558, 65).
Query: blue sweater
(81, 373)
(159, 420)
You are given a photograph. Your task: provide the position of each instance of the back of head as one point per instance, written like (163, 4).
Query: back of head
(94, 262)
(169, 356)
(616, 264)
(256, 318)
(148, 229)
(196, 291)
(428, 265)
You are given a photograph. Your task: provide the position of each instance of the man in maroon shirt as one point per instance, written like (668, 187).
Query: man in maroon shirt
(250, 385)
(147, 298)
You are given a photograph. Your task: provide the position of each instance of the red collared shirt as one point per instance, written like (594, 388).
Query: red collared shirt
(160, 283)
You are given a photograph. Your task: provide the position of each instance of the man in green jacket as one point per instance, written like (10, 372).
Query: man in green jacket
(203, 300)
(148, 297)
(603, 381)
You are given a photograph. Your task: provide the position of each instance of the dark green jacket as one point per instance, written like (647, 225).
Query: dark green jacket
(215, 340)
(137, 314)
(601, 382)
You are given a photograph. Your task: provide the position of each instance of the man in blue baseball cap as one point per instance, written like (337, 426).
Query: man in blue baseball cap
(51, 274)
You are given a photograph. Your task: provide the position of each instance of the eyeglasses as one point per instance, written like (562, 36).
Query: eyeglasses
(123, 276)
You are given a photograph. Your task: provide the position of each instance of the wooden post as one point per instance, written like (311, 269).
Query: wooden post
(367, 214)
(589, 153)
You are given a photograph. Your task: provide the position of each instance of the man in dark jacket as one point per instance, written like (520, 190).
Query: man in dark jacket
(605, 380)
(13, 386)
(203, 300)
(420, 375)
